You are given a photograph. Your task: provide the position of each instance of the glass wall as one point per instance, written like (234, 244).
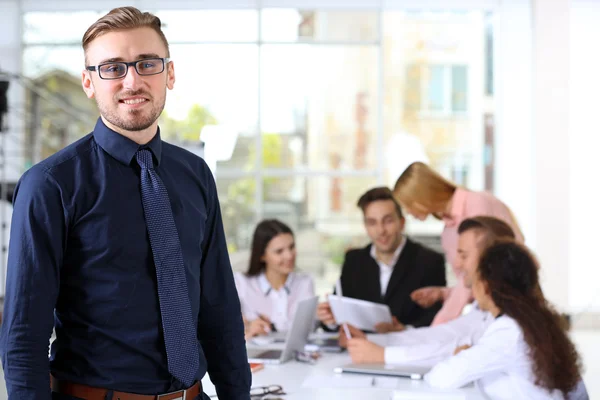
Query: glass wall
(300, 110)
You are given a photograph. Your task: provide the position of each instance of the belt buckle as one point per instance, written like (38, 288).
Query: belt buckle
(182, 394)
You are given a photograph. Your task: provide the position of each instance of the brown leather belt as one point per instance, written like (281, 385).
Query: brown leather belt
(93, 393)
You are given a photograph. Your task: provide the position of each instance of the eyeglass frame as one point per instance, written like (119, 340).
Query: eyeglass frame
(266, 391)
(165, 62)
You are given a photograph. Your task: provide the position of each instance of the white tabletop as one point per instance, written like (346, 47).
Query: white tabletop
(302, 381)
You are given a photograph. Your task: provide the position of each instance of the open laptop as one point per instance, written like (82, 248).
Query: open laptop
(403, 371)
(295, 339)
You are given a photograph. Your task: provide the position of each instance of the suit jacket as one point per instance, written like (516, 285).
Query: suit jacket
(416, 267)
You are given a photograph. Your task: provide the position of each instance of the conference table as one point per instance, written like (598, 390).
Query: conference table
(302, 381)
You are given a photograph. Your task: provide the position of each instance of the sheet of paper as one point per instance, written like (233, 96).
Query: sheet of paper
(384, 382)
(414, 395)
(349, 381)
(359, 313)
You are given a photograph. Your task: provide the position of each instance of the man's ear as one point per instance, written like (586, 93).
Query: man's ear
(170, 75)
(87, 85)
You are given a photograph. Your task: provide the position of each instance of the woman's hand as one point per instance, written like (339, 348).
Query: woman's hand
(354, 333)
(260, 326)
(363, 352)
(428, 296)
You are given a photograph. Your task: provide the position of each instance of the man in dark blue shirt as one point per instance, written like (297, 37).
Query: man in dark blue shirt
(124, 281)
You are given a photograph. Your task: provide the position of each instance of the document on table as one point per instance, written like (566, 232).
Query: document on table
(349, 381)
(361, 314)
(429, 395)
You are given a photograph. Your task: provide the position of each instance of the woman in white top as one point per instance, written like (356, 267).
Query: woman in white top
(270, 290)
(525, 353)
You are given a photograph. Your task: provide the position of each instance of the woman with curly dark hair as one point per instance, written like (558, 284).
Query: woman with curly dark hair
(525, 353)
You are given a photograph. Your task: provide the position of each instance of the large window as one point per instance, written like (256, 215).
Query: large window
(300, 111)
(436, 89)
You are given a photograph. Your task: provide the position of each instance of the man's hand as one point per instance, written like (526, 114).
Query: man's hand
(260, 326)
(324, 314)
(394, 326)
(461, 348)
(354, 333)
(362, 351)
(428, 296)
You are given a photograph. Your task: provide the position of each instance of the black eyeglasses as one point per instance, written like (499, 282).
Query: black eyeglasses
(257, 393)
(118, 69)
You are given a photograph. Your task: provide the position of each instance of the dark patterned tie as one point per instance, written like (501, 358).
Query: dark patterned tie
(181, 340)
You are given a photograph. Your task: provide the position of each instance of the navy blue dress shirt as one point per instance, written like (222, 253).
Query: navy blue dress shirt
(80, 261)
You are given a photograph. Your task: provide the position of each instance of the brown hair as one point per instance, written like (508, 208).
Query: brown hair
(377, 194)
(265, 231)
(121, 19)
(419, 183)
(490, 229)
(510, 273)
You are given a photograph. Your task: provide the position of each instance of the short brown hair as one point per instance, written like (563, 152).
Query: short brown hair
(121, 19)
(491, 229)
(377, 194)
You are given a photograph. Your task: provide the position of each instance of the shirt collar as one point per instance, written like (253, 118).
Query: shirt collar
(459, 199)
(122, 148)
(266, 287)
(396, 253)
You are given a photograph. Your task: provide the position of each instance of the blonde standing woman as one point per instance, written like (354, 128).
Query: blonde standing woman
(421, 191)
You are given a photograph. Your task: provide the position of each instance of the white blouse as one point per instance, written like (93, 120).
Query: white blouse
(498, 363)
(257, 297)
(430, 345)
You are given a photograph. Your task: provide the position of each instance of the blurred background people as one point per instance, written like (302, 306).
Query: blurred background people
(525, 353)
(432, 344)
(271, 289)
(421, 191)
(390, 268)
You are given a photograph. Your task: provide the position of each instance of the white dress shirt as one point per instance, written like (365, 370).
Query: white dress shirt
(429, 345)
(257, 297)
(498, 363)
(385, 270)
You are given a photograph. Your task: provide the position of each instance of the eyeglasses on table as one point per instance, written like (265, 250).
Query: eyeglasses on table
(264, 392)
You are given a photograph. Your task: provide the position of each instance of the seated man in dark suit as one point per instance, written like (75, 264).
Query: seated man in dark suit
(390, 268)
